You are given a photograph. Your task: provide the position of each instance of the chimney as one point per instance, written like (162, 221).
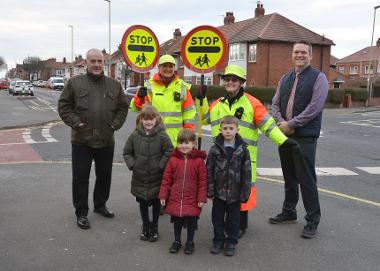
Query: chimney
(177, 33)
(378, 42)
(259, 10)
(229, 18)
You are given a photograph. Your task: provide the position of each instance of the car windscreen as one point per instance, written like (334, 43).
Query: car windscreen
(58, 81)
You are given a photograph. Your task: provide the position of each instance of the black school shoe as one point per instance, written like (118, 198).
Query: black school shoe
(104, 211)
(153, 233)
(283, 218)
(229, 250)
(216, 248)
(189, 248)
(83, 223)
(144, 235)
(309, 231)
(175, 247)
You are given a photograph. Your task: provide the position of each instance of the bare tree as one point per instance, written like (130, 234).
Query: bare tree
(33, 65)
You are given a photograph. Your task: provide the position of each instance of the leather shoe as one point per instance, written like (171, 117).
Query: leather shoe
(283, 218)
(104, 211)
(83, 222)
(309, 231)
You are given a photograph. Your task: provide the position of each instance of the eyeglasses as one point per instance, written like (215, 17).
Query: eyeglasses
(233, 79)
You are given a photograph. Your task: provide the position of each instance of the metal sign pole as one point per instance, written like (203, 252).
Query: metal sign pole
(200, 114)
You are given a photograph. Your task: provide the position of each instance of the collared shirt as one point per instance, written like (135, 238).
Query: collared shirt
(320, 91)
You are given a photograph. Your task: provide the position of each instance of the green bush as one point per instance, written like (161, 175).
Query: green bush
(357, 94)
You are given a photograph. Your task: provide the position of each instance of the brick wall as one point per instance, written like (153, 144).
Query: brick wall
(273, 59)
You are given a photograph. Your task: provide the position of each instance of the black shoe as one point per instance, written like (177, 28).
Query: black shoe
(309, 231)
(175, 247)
(283, 218)
(189, 248)
(104, 211)
(83, 222)
(162, 210)
(229, 249)
(153, 233)
(144, 235)
(241, 233)
(216, 248)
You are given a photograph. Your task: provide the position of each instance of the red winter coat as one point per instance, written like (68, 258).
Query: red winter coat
(184, 183)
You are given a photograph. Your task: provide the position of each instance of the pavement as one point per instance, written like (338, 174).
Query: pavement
(38, 229)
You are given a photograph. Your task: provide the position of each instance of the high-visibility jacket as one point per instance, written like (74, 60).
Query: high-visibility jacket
(255, 117)
(173, 102)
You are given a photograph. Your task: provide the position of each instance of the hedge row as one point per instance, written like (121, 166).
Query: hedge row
(265, 94)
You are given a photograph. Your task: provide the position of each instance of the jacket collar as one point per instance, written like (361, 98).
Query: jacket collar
(193, 154)
(157, 78)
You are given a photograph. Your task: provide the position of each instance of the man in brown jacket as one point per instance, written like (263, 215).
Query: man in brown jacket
(94, 106)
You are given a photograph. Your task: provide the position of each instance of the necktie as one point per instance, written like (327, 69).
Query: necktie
(289, 108)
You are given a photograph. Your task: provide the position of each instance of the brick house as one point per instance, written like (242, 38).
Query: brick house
(261, 45)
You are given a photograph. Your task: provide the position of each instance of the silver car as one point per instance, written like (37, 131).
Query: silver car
(23, 88)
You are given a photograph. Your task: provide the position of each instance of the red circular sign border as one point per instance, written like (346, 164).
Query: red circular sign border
(123, 51)
(222, 59)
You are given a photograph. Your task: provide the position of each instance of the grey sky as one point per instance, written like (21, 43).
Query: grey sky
(40, 27)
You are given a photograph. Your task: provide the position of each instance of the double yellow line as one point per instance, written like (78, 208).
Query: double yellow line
(329, 192)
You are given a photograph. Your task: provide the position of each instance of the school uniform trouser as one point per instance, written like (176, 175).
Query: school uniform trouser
(299, 169)
(225, 219)
(82, 157)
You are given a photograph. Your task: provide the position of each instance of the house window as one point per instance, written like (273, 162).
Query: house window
(187, 79)
(341, 69)
(354, 69)
(252, 53)
(368, 69)
(208, 80)
(237, 52)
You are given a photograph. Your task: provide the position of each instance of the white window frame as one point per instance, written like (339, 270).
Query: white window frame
(252, 52)
(236, 52)
(368, 69)
(187, 79)
(341, 69)
(208, 80)
(354, 69)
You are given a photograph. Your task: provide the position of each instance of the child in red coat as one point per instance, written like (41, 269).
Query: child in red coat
(184, 188)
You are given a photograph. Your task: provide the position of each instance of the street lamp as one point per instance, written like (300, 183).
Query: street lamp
(72, 42)
(109, 36)
(373, 25)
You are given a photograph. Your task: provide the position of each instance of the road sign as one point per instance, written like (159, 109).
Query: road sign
(204, 49)
(140, 48)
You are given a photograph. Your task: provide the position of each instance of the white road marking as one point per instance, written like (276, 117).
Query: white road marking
(370, 170)
(46, 133)
(367, 122)
(26, 135)
(325, 171)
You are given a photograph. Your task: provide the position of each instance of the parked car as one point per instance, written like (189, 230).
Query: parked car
(23, 88)
(130, 92)
(44, 84)
(56, 83)
(12, 86)
(4, 84)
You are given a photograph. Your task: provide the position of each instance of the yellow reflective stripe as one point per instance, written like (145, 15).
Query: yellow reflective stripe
(188, 121)
(190, 107)
(270, 128)
(250, 142)
(171, 114)
(183, 91)
(173, 125)
(241, 123)
(264, 120)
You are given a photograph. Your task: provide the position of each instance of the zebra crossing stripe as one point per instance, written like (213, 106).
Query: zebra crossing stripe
(370, 170)
(320, 171)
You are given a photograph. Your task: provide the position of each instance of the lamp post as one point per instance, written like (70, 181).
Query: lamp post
(374, 19)
(109, 36)
(72, 42)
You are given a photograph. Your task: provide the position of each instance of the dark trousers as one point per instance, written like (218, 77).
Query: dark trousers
(144, 211)
(82, 157)
(299, 169)
(243, 220)
(225, 219)
(189, 222)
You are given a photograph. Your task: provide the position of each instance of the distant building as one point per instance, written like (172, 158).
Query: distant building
(262, 45)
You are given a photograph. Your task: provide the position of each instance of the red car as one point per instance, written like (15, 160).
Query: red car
(4, 84)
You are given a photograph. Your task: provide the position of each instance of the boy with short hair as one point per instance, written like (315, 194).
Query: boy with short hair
(229, 184)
